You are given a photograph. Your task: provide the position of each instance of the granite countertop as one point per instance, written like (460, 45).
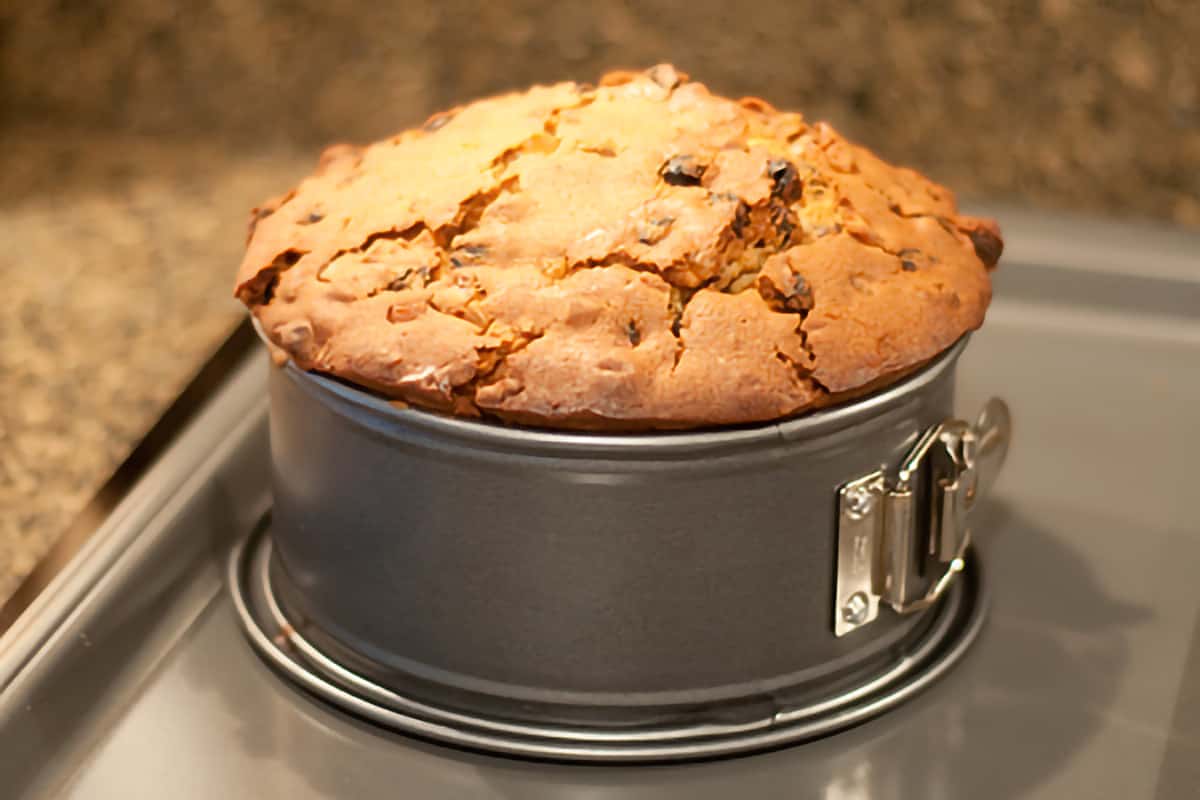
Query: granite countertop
(117, 267)
(128, 167)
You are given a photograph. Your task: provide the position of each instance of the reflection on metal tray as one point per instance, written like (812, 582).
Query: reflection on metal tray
(129, 676)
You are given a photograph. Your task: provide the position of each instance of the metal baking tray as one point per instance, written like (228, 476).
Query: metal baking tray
(124, 672)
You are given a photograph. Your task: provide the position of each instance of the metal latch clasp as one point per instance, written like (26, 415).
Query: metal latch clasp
(890, 535)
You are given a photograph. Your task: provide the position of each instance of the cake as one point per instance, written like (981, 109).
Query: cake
(637, 255)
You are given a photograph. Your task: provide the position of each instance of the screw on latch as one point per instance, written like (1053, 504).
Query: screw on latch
(855, 609)
(859, 502)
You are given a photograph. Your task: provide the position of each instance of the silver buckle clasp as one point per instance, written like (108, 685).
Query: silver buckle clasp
(881, 552)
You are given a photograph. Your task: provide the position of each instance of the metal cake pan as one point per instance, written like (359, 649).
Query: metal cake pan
(608, 580)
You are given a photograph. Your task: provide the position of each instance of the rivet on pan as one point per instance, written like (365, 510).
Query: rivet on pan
(855, 609)
(859, 502)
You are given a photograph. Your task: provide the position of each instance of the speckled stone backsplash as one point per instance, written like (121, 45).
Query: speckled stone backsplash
(135, 134)
(1072, 103)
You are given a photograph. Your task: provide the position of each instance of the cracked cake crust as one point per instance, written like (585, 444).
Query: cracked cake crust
(637, 255)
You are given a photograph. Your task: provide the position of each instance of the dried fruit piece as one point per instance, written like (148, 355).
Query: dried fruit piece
(412, 278)
(682, 171)
(801, 293)
(652, 231)
(783, 221)
(908, 258)
(785, 180)
(985, 237)
(468, 254)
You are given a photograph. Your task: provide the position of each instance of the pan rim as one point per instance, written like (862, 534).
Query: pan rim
(382, 416)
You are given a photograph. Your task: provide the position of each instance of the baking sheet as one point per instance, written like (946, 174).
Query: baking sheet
(129, 676)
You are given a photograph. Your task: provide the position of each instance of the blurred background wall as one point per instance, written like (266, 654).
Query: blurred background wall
(1064, 103)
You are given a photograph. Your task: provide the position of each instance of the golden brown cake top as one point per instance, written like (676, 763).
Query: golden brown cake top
(642, 254)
